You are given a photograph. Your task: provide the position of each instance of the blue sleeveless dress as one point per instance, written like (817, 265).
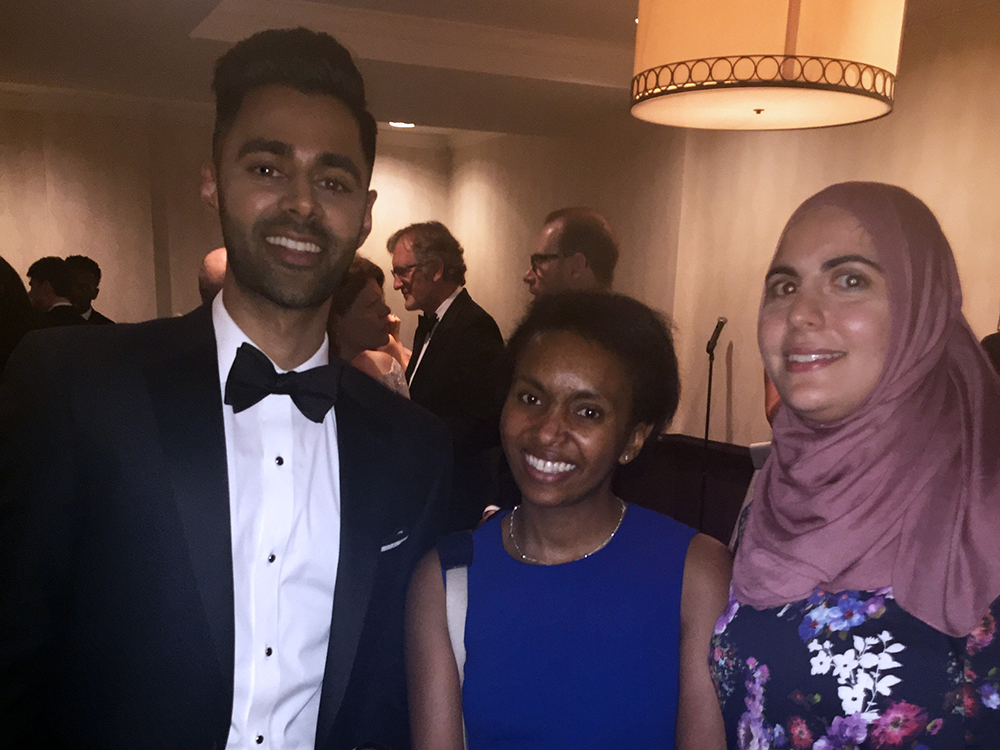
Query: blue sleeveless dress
(580, 655)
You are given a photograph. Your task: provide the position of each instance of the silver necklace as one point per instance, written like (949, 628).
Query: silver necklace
(598, 548)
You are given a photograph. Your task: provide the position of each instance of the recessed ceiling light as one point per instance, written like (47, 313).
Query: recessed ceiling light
(402, 124)
(637, 20)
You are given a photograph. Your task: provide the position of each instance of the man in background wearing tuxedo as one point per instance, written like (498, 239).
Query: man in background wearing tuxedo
(84, 283)
(454, 370)
(48, 290)
(206, 526)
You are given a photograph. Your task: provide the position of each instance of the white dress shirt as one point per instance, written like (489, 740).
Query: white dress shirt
(284, 507)
(440, 311)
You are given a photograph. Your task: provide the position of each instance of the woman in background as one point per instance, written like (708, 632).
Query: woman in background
(360, 324)
(588, 619)
(863, 610)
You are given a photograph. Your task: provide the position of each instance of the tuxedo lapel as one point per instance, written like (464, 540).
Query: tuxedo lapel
(186, 397)
(453, 314)
(361, 444)
(437, 354)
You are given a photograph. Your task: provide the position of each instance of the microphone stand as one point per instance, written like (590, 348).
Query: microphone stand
(710, 348)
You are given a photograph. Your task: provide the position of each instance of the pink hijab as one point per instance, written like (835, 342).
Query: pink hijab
(905, 491)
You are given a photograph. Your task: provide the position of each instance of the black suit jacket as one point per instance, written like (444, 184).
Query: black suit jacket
(61, 315)
(116, 582)
(461, 380)
(96, 319)
(16, 314)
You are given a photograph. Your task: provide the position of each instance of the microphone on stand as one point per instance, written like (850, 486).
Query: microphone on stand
(710, 348)
(714, 341)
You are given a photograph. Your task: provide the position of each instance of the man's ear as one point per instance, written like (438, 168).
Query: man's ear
(575, 265)
(366, 223)
(438, 270)
(210, 186)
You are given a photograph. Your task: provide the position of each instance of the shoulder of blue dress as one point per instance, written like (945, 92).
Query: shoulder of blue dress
(659, 523)
(488, 532)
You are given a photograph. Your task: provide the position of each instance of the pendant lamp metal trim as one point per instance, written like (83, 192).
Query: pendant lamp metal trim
(763, 71)
(747, 72)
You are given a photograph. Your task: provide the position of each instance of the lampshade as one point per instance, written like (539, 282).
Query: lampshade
(765, 64)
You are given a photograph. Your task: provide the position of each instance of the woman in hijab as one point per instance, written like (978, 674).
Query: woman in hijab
(863, 608)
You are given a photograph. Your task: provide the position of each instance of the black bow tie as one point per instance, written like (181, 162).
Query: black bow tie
(425, 324)
(252, 377)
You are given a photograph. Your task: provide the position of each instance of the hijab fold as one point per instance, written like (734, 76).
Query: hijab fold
(904, 491)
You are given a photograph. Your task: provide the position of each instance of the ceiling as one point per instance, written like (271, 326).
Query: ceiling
(520, 66)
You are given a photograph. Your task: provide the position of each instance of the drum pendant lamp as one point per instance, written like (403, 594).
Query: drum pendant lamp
(765, 64)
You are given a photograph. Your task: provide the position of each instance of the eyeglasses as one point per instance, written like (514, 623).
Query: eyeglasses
(537, 259)
(402, 271)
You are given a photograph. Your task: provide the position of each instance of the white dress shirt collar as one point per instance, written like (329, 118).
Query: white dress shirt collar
(229, 337)
(443, 307)
(440, 311)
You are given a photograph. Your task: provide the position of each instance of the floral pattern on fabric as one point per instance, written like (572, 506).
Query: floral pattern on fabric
(850, 671)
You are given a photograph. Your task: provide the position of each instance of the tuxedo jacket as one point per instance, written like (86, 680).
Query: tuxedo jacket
(96, 319)
(461, 379)
(63, 315)
(116, 580)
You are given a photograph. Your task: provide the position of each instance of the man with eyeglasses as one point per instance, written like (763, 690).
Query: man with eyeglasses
(453, 370)
(575, 251)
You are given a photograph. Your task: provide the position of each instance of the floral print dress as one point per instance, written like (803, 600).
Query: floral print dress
(854, 670)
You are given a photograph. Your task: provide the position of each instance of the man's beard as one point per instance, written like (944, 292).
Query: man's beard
(254, 271)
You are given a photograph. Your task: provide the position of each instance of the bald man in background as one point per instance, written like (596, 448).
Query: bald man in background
(575, 251)
(211, 274)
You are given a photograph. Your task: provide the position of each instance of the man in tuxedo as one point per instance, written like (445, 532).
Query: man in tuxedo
(48, 290)
(84, 283)
(454, 370)
(206, 528)
(575, 251)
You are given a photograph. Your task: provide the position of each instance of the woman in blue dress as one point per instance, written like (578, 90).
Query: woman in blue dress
(863, 610)
(588, 619)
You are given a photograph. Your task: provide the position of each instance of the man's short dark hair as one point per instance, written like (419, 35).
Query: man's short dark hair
(432, 241)
(308, 61)
(586, 231)
(637, 335)
(82, 264)
(354, 280)
(53, 270)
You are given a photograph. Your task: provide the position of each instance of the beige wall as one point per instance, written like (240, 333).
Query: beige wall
(412, 176)
(697, 213)
(79, 183)
(504, 186)
(185, 229)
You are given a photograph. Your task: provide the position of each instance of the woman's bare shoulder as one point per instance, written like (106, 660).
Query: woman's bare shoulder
(373, 363)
